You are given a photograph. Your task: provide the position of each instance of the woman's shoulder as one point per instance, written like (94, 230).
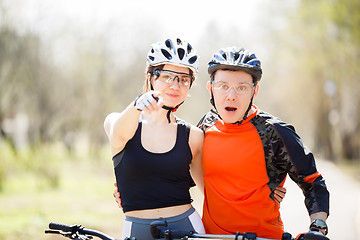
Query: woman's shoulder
(196, 135)
(197, 130)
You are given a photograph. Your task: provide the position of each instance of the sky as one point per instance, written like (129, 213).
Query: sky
(126, 26)
(186, 16)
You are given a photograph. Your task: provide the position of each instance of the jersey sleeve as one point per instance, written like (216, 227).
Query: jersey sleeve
(208, 120)
(303, 171)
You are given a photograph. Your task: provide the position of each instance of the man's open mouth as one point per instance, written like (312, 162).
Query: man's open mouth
(230, 109)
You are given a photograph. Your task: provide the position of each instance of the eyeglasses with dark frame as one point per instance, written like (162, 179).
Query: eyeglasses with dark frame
(167, 76)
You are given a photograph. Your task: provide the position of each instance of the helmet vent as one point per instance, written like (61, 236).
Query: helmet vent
(189, 48)
(247, 59)
(178, 41)
(166, 54)
(192, 59)
(168, 43)
(236, 56)
(224, 56)
(181, 53)
(151, 58)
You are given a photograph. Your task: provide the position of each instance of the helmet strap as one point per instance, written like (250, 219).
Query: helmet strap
(212, 101)
(247, 111)
(170, 109)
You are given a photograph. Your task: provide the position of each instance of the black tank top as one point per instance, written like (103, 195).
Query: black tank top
(149, 180)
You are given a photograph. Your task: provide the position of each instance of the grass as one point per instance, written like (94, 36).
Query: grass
(82, 195)
(49, 184)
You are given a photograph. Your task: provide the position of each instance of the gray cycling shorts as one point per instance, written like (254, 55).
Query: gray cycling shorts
(140, 227)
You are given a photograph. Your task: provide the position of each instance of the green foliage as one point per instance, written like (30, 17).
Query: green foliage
(51, 184)
(346, 15)
(322, 48)
(42, 162)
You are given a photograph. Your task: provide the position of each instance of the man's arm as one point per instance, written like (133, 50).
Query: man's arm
(318, 215)
(302, 169)
(279, 194)
(117, 196)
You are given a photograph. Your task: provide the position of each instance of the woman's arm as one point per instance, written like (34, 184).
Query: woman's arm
(121, 127)
(196, 141)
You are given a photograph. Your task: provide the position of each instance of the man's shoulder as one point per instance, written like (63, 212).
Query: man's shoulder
(208, 120)
(267, 119)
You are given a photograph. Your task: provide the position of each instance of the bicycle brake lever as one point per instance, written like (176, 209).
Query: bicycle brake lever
(63, 233)
(52, 231)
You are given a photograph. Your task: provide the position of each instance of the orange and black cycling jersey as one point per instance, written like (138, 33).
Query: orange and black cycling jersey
(243, 164)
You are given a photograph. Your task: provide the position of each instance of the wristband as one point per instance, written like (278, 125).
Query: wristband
(144, 100)
(135, 101)
(319, 224)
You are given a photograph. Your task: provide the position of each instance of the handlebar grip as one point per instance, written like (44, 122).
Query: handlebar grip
(312, 236)
(60, 226)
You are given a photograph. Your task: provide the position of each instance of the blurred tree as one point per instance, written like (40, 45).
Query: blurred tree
(322, 47)
(100, 87)
(346, 17)
(19, 59)
(68, 101)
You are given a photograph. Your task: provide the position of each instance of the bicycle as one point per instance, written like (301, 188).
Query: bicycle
(159, 231)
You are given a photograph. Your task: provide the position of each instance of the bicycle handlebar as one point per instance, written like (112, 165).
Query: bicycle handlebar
(75, 231)
(160, 231)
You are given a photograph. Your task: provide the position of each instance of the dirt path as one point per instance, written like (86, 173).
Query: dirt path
(343, 222)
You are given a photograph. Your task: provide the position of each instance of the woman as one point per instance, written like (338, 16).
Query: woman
(153, 150)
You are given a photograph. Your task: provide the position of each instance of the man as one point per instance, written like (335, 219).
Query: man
(247, 153)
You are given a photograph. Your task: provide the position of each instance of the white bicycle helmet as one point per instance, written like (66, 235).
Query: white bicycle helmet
(174, 51)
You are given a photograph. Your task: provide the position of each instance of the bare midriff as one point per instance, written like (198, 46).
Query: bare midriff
(159, 212)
